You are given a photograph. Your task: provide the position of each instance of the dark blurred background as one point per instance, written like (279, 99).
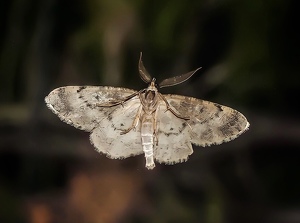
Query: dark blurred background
(250, 54)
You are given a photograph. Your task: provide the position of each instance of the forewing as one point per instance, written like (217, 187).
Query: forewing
(77, 105)
(209, 123)
(173, 135)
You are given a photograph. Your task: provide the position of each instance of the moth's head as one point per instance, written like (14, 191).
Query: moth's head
(153, 85)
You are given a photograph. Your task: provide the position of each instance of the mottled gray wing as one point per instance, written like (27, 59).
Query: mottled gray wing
(107, 138)
(173, 135)
(209, 123)
(79, 106)
(76, 105)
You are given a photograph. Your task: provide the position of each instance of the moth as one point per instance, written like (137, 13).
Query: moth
(124, 122)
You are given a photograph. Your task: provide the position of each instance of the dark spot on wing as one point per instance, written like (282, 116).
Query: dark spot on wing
(183, 126)
(218, 106)
(113, 126)
(228, 128)
(232, 122)
(109, 117)
(184, 104)
(207, 134)
(204, 121)
(89, 105)
(170, 133)
(81, 88)
(175, 133)
(238, 128)
(218, 112)
(61, 93)
(225, 130)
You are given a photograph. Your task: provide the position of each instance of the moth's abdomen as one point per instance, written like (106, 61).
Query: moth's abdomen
(147, 130)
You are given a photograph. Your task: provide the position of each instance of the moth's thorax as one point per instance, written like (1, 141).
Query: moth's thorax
(149, 98)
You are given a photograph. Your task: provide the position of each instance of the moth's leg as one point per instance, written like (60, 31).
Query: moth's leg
(134, 123)
(115, 103)
(171, 110)
(155, 128)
